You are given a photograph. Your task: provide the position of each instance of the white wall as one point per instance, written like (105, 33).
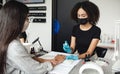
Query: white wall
(42, 30)
(109, 13)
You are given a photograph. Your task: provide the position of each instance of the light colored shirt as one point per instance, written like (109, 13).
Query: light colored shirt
(19, 61)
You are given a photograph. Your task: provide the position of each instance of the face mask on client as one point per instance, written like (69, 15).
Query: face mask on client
(82, 21)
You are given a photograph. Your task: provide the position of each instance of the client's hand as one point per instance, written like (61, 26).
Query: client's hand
(66, 47)
(60, 58)
(57, 60)
(53, 62)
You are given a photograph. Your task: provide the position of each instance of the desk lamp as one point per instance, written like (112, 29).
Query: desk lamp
(38, 48)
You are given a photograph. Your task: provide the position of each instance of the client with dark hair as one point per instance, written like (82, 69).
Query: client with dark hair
(14, 58)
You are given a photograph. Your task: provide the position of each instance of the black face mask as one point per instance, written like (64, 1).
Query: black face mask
(82, 21)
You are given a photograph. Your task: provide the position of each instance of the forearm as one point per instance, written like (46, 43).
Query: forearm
(82, 56)
(58, 59)
(73, 50)
(40, 59)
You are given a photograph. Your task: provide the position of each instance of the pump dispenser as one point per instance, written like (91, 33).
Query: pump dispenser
(66, 47)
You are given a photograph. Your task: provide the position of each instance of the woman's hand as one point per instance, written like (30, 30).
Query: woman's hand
(60, 58)
(54, 62)
(57, 60)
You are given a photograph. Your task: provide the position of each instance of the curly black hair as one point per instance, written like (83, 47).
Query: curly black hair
(91, 9)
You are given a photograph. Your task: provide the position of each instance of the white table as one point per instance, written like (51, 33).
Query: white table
(63, 68)
(72, 68)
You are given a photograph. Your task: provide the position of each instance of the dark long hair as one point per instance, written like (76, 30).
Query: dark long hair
(12, 17)
(91, 9)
